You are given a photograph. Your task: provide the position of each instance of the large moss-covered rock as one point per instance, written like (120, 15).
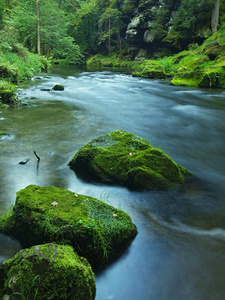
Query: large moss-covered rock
(49, 214)
(47, 271)
(213, 77)
(130, 160)
(215, 50)
(153, 69)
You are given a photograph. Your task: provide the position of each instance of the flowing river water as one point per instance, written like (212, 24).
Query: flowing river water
(179, 252)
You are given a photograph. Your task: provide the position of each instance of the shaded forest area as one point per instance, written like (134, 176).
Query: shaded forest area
(73, 28)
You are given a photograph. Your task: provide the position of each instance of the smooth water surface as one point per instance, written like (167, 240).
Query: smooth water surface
(179, 252)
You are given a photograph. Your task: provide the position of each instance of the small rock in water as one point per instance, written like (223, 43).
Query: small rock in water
(46, 90)
(58, 87)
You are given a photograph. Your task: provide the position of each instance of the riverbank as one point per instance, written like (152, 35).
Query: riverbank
(199, 66)
(17, 65)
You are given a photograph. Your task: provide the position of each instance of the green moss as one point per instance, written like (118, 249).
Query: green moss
(58, 87)
(7, 92)
(214, 77)
(130, 160)
(2, 134)
(8, 71)
(47, 271)
(84, 222)
(100, 62)
(153, 69)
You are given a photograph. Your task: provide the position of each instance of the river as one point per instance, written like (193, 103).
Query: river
(179, 252)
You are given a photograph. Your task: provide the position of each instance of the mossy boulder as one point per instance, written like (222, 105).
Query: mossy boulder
(4, 134)
(152, 69)
(58, 87)
(128, 159)
(215, 50)
(95, 229)
(7, 96)
(47, 271)
(210, 77)
(213, 77)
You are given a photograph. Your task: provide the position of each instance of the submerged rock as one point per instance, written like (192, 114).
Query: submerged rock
(128, 159)
(49, 214)
(47, 271)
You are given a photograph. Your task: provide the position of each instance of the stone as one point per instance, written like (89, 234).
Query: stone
(8, 96)
(48, 271)
(129, 160)
(84, 222)
(58, 87)
(141, 55)
(215, 51)
(148, 36)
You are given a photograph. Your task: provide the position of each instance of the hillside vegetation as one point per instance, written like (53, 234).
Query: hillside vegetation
(182, 39)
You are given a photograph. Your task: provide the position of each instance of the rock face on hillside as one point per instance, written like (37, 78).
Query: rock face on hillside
(47, 271)
(128, 159)
(49, 214)
(149, 33)
(148, 27)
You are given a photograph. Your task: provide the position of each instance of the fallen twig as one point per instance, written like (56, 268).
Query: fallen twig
(36, 155)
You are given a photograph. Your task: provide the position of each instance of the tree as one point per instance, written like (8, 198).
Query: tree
(192, 18)
(215, 16)
(38, 27)
(43, 27)
(109, 24)
(82, 25)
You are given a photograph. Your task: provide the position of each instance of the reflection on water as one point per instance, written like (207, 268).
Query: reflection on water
(179, 251)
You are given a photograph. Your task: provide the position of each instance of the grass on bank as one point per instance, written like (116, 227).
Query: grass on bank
(17, 64)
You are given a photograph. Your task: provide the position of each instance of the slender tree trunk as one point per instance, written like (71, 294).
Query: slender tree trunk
(109, 35)
(119, 44)
(38, 27)
(215, 16)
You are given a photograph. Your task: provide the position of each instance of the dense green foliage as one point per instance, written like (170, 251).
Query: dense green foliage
(68, 26)
(54, 23)
(191, 21)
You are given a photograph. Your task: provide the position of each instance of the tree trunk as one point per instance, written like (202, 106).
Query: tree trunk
(119, 44)
(109, 35)
(215, 16)
(38, 27)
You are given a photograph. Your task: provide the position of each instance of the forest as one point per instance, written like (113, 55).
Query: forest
(144, 36)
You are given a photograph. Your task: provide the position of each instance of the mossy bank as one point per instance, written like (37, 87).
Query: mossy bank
(17, 64)
(47, 271)
(95, 229)
(199, 66)
(130, 160)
